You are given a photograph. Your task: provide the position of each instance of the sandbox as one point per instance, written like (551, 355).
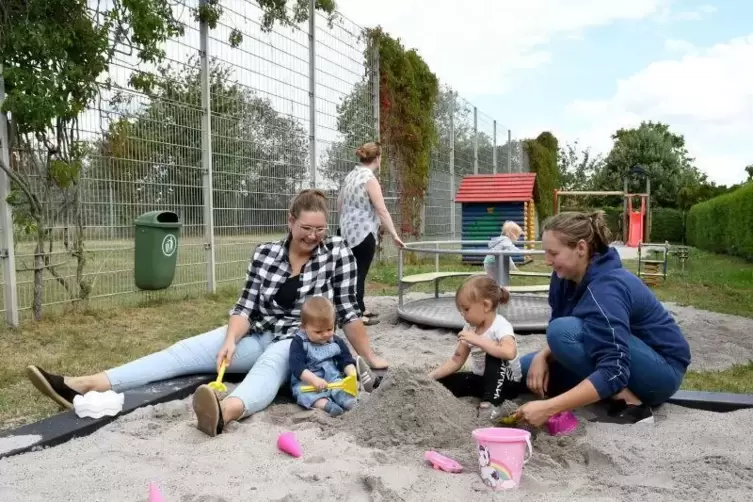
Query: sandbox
(376, 451)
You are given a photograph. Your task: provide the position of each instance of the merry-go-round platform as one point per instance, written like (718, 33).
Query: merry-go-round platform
(528, 310)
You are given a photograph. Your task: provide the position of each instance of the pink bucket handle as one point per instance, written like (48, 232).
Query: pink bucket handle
(530, 450)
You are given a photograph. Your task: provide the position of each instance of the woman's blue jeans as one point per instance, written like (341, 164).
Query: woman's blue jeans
(652, 378)
(264, 361)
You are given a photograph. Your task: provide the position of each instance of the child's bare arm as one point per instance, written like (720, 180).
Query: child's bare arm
(453, 364)
(311, 379)
(505, 349)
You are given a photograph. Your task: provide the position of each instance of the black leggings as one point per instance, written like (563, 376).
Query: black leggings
(495, 386)
(364, 254)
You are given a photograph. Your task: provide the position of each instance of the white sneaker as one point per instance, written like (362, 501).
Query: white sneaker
(365, 376)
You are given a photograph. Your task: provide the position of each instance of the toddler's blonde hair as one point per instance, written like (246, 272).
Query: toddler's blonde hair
(510, 227)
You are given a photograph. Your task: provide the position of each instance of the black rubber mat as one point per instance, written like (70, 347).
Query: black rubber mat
(712, 401)
(65, 426)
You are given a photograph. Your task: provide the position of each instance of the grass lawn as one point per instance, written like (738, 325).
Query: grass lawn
(109, 270)
(85, 342)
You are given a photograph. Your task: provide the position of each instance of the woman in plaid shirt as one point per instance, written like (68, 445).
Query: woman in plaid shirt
(256, 340)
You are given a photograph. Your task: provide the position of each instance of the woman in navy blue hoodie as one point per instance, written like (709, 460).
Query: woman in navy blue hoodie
(609, 337)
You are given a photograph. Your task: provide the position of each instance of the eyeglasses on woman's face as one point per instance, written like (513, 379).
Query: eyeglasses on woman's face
(309, 229)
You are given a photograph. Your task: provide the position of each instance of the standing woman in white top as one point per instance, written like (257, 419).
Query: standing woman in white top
(361, 207)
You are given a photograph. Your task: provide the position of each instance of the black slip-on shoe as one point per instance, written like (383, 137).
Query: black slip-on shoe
(52, 386)
(370, 321)
(621, 413)
(208, 411)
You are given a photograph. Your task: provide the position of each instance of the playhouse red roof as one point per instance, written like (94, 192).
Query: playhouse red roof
(516, 187)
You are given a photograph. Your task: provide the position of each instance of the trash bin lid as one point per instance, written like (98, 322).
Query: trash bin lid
(158, 219)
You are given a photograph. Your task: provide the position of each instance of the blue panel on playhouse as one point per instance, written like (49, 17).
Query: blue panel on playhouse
(483, 221)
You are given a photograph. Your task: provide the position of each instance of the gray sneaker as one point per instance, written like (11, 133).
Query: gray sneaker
(365, 376)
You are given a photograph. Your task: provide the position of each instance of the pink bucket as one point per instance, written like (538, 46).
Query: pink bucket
(502, 455)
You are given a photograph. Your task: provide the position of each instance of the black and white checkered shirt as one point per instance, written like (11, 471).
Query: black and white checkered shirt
(331, 272)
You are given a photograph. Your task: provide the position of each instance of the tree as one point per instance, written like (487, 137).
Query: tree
(55, 57)
(258, 153)
(542, 155)
(662, 154)
(749, 171)
(577, 166)
(408, 93)
(355, 122)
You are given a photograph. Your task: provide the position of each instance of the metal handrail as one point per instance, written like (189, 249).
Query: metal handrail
(411, 246)
(500, 257)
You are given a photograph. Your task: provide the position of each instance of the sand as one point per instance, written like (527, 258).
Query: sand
(15, 442)
(375, 452)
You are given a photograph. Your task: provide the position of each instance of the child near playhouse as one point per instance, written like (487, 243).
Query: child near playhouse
(319, 357)
(511, 232)
(495, 374)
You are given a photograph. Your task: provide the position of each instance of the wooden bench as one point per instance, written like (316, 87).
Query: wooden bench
(435, 277)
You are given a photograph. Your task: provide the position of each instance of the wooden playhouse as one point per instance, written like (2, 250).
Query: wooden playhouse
(488, 200)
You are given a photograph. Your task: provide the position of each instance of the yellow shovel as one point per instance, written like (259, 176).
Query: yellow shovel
(217, 385)
(508, 420)
(348, 384)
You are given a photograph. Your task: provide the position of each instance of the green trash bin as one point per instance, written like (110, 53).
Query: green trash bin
(156, 249)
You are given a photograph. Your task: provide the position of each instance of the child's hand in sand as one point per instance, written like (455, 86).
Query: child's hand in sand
(535, 413)
(468, 337)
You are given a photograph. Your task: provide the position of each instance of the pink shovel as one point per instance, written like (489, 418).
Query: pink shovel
(154, 494)
(289, 444)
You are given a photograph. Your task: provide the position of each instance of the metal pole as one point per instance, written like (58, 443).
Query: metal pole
(475, 140)
(494, 149)
(452, 163)
(509, 151)
(503, 269)
(399, 277)
(312, 90)
(7, 251)
(376, 114)
(206, 156)
(375, 89)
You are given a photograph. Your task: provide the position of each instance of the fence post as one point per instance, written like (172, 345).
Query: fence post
(206, 156)
(7, 251)
(452, 163)
(111, 199)
(375, 113)
(375, 88)
(494, 149)
(475, 140)
(509, 151)
(312, 90)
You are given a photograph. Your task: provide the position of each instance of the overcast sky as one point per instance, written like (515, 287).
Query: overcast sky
(583, 68)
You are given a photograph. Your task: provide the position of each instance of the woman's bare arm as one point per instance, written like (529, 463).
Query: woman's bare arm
(375, 194)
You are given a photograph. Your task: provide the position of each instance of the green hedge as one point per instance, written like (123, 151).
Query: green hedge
(723, 224)
(667, 224)
(542, 160)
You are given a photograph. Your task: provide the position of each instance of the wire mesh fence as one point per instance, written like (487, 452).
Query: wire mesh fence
(225, 135)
